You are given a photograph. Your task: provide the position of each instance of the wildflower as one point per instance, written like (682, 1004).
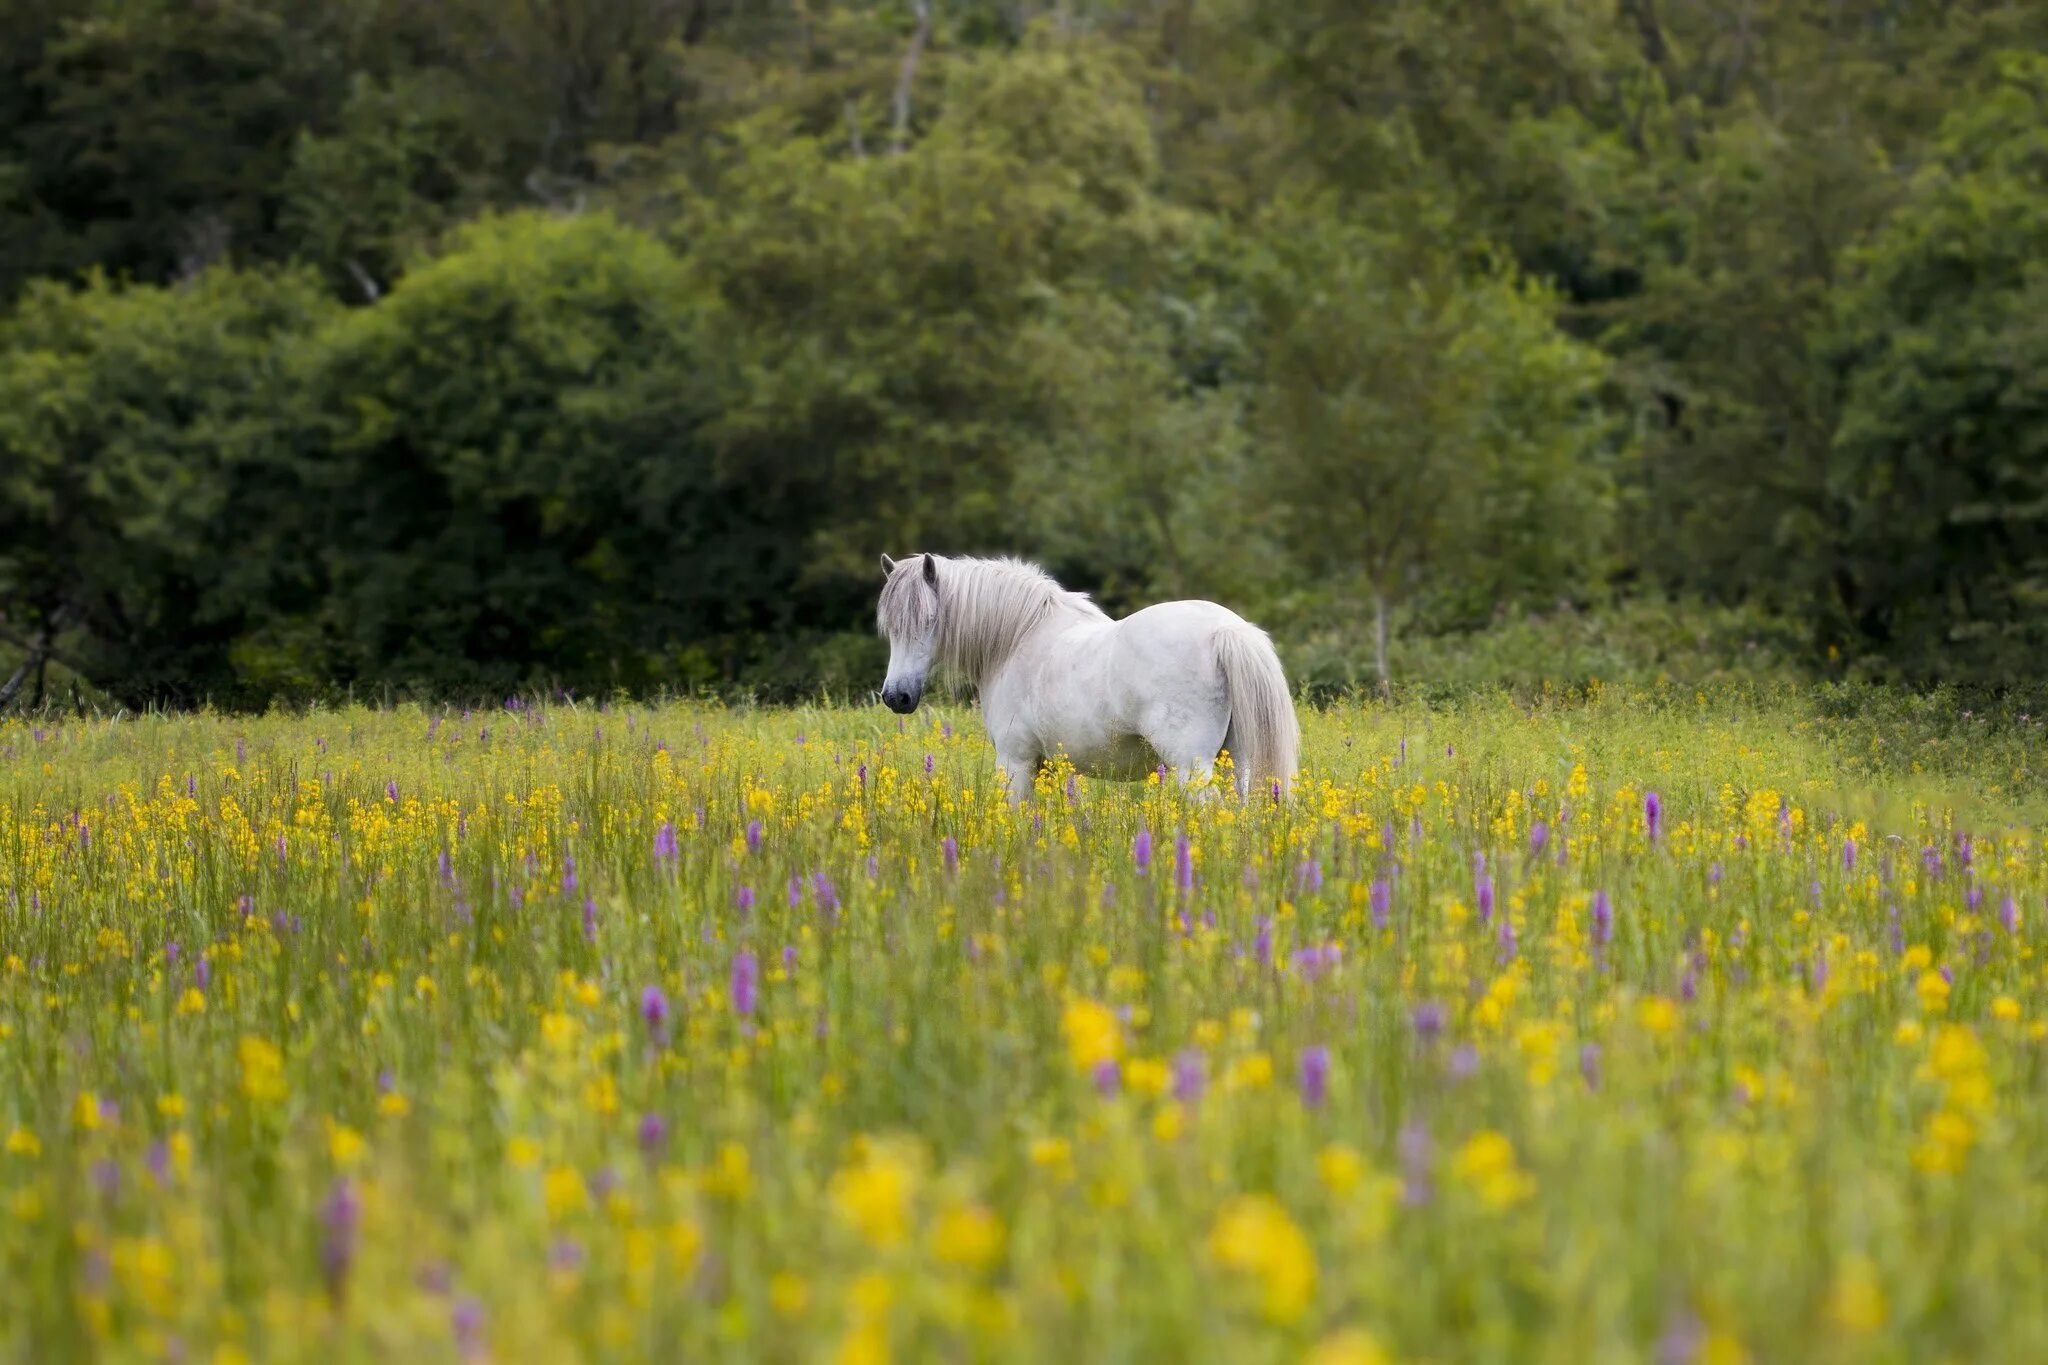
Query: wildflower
(1603, 919)
(874, 1197)
(744, 983)
(1486, 1164)
(262, 1070)
(1107, 1077)
(753, 836)
(1589, 1064)
(1352, 1346)
(1091, 1032)
(339, 1218)
(1539, 835)
(743, 899)
(666, 850)
(1315, 1075)
(1414, 1147)
(1657, 1015)
(652, 1134)
(969, 1237)
(563, 1192)
(1485, 896)
(1254, 1237)
(951, 848)
(466, 1320)
(1653, 814)
(1183, 863)
(1856, 1300)
(654, 1009)
(1382, 900)
(1428, 1020)
(1141, 851)
(1189, 1076)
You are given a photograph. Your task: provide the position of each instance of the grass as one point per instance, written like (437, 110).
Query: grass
(685, 1033)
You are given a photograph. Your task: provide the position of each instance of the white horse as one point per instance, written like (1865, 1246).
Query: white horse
(1174, 684)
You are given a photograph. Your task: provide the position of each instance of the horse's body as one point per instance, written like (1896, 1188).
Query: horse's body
(1174, 684)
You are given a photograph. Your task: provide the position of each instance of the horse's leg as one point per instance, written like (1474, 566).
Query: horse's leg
(1017, 772)
(1188, 744)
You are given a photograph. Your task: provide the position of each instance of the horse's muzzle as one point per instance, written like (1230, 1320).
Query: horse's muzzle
(902, 700)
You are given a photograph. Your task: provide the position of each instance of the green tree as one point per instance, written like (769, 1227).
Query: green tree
(1430, 438)
(511, 475)
(1942, 453)
(142, 522)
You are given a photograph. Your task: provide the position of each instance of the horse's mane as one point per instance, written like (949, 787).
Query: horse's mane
(985, 607)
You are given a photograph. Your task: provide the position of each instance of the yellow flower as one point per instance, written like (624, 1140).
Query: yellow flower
(2005, 1009)
(874, 1197)
(171, 1106)
(262, 1069)
(1352, 1346)
(788, 1295)
(1933, 991)
(970, 1237)
(1254, 1236)
(1340, 1169)
(1487, 1164)
(345, 1146)
(523, 1152)
(85, 1112)
(1856, 1302)
(1657, 1015)
(563, 1192)
(393, 1105)
(1909, 1033)
(1092, 1034)
(21, 1142)
(193, 1001)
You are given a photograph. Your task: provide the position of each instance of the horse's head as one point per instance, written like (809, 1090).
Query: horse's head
(909, 615)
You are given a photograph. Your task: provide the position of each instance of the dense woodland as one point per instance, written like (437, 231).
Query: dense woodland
(486, 345)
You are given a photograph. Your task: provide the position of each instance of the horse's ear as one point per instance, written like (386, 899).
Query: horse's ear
(931, 570)
(888, 566)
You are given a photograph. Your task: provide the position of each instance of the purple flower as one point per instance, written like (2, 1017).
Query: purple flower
(569, 874)
(171, 952)
(1539, 835)
(1308, 876)
(1189, 1075)
(951, 848)
(1714, 874)
(1485, 900)
(654, 1009)
(1414, 1148)
(1428, 1021)
(589, 920)
(789, 958)
(340, 1217)
(1315, 1075)
(1506, 938)
(746, 982)
(796, 892)
(1817, 974)
(2009, 915)
(753, 836)
(743, 899)
(1589, 1064)
(467, 1322)
(1464, 1061)
(1108, 1077)
(1262, 943)
(653, 1134)
(1183, 863)
(1966, 851)
(1653, 814)
(202, 972)
(447, 869)
(826, 894)
(158, 1160)
(1849, 855)
(1382, 902)
(565, 1256)
(928, 765)
(1603, 919)
(665, 849)
(391, 790)
(1141, 851)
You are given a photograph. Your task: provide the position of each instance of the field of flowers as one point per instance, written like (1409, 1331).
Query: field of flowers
(1657, 1027)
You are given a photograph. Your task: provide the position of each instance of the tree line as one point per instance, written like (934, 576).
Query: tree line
(602, 343)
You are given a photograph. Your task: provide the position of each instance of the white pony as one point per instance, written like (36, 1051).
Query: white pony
(1175, 683)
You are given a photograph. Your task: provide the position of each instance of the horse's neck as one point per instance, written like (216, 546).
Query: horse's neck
(1001, 613)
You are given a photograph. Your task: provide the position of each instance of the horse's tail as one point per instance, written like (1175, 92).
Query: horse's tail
(1264, 737)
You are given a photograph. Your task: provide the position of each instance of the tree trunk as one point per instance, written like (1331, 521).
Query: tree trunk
(899, 133)
(1379, 641)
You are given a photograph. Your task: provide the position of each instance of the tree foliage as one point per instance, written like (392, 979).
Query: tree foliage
(603, 343)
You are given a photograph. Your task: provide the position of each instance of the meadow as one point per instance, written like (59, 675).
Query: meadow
(1656, 1025)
